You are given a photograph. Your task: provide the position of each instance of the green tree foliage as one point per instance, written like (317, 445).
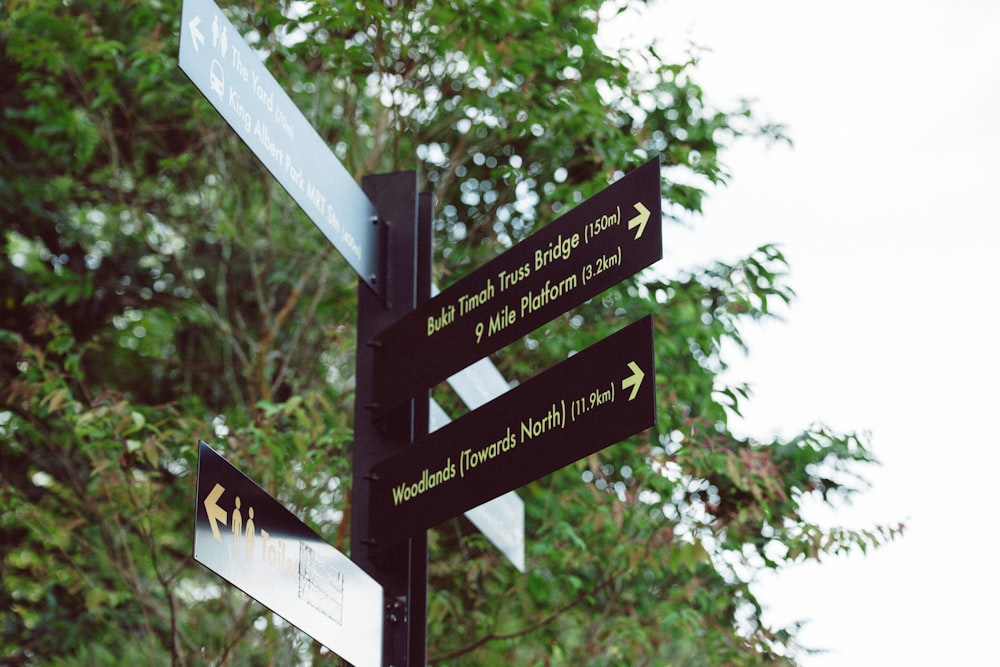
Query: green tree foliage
(157, 287)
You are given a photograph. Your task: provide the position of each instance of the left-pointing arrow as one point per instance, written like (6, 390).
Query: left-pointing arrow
(634, 380)
(215, 513)
(196, 35)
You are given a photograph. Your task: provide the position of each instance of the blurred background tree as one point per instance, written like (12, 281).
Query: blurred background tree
(158, 287)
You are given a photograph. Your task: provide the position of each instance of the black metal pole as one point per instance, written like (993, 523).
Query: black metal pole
(405, 281)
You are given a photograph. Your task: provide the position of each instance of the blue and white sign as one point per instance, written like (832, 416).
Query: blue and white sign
(230, 74)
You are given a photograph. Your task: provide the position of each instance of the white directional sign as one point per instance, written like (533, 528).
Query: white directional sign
(501, 520)
(251, 540)
(231, 76)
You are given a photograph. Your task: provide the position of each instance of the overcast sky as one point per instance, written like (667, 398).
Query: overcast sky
(887, 208)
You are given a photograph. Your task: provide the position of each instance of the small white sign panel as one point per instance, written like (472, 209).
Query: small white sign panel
(501, 520)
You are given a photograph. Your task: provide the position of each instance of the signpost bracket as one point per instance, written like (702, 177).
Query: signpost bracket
(376, 282)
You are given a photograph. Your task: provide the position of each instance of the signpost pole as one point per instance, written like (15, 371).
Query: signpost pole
(402, 569)
(407, 343)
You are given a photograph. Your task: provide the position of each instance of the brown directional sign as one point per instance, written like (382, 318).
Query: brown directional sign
(593, 247)
(592, 400)
(251, 540)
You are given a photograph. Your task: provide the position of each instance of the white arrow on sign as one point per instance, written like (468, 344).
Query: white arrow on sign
(196, 35)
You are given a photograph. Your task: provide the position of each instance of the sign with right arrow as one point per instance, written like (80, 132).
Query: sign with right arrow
(604, 240)
(590, 401)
